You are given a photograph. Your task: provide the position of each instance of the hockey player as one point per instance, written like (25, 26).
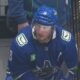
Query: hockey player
(38, 50)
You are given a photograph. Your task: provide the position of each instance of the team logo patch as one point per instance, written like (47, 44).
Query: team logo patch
(21, 40)
(66, 35)
(33, 57)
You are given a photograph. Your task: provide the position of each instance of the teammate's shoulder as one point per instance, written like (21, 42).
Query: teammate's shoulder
(25, 29)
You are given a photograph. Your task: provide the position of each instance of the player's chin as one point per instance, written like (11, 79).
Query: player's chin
(42, 40)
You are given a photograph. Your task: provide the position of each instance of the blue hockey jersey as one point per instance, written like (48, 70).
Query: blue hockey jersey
(28, 56)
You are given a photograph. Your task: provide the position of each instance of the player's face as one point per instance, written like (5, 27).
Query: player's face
(43, 33)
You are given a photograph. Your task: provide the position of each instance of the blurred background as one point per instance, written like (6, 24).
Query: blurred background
(71, 22)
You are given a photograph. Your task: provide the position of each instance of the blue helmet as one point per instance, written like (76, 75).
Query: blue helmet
(46, 16)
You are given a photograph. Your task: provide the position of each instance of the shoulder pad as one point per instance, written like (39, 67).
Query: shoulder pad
(21, 39)
(65, 35)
